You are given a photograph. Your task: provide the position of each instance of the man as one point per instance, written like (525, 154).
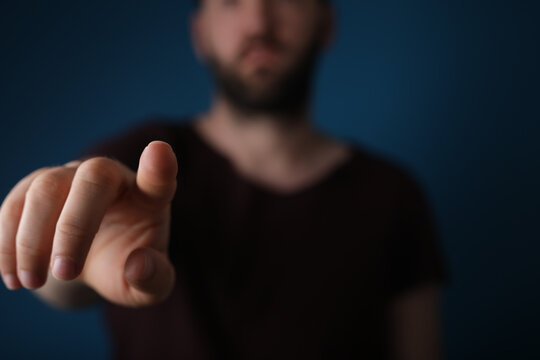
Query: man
(280, 241)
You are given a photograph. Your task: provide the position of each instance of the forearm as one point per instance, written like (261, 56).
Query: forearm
(416, 324)
(71, 294)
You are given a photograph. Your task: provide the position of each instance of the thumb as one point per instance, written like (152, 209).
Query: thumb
(150, 274)
(156, 176)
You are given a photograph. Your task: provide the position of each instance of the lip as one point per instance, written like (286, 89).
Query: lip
(261, 56)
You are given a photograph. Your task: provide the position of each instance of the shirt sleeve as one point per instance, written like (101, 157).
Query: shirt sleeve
(415, 256)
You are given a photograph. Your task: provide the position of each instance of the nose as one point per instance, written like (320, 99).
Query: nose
(258, 17)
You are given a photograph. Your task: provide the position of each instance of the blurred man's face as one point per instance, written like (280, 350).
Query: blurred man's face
(262, 52)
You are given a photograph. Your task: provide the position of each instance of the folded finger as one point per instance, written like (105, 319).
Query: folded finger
(96, 185)
(10, 215)
(44, 200)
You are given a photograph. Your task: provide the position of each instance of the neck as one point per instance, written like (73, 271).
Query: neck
(265, 147)
(257, 138)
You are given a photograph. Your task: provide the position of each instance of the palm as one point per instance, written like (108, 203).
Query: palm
(125, 228)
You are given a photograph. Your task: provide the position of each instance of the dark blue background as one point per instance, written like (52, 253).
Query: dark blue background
(450, 90)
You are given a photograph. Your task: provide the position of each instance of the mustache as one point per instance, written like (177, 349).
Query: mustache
(268, 42)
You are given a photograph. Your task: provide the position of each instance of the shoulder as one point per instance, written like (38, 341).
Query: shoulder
(381, 174)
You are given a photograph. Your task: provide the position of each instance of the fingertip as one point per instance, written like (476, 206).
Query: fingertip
(64, 268)
(160, 152)
(30, 280)
(139, 266)
(159, 143)
(159, 161)
(11, 281)
(151, 276)
(156, 175)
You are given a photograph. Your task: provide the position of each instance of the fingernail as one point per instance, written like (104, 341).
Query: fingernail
(29, 280)
(11, 281)
(64, 268)
(139, 266)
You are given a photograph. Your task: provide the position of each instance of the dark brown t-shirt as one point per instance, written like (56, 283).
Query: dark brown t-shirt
(262, 275)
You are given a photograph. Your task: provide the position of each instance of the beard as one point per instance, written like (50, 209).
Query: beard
(282, 94)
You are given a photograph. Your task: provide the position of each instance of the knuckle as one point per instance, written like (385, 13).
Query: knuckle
(49, 185)
(11, 212)
(73, 164)
(13, 204)
(71, 232)
(29, 249)
(35, 173)
(100, 172)
(6, 250)
(7, 243)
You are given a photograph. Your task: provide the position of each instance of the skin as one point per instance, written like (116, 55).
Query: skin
(94, 229)
(281, 151)
(97, 225)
